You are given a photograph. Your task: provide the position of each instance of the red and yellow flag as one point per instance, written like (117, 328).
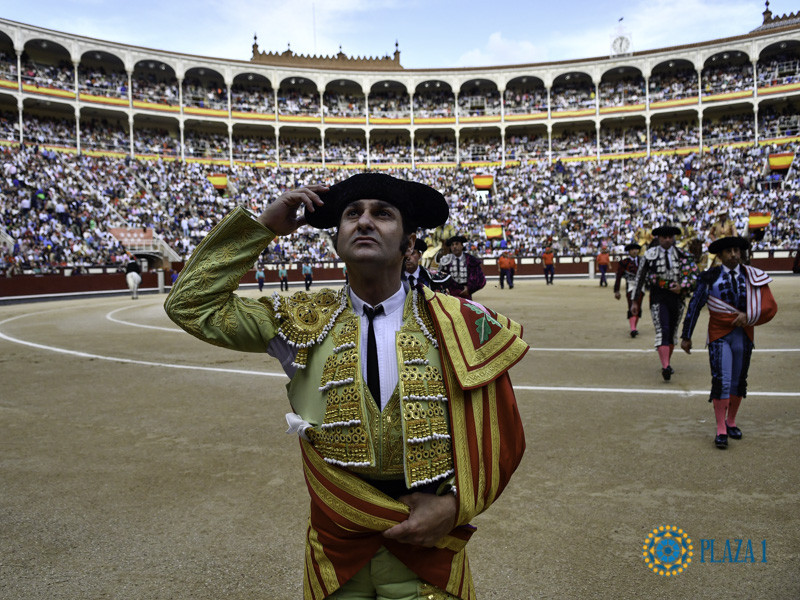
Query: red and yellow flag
(493, 231)
(783, 160)
(759, 219)
(218, 180)
(483, 182)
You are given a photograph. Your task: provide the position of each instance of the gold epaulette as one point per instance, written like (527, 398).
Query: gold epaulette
(304, 320)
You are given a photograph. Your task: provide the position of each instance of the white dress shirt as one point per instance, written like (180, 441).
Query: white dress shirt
(386, 326)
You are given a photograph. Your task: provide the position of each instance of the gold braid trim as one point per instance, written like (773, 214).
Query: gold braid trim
(344, 437)
(315, 553)
(427, 442)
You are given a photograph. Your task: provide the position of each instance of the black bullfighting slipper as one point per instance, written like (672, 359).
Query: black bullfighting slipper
(634, 333)
(666, 373)
(671, 370)
(734, 432)
(721, 441)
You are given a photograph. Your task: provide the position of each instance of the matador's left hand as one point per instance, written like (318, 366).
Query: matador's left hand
(740, 320)
(431, 518)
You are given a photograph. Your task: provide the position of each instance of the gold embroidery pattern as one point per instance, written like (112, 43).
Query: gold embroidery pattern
(304, 320)
(344, 438)
(385, 427)
(202, 301)
(427, 446)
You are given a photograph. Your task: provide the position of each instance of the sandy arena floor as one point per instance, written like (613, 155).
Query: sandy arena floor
(139, 463)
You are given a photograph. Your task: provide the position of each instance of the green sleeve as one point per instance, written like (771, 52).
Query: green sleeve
(203, 302)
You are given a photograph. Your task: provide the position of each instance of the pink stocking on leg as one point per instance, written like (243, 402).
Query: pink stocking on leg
(733, 408)
(720, 408)
(663, 354)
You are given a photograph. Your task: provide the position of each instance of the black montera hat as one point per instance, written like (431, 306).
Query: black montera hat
(420, 245)
(735, 241)
(457, 238)
(666, 231)
(631, 246)
(420, 204)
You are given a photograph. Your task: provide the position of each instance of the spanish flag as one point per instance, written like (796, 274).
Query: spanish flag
(483, 182)
(218, 180)
(493, 231)
(778, 162)
(758, 220)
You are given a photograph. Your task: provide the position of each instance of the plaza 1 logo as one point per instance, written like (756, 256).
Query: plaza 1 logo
(668, 550)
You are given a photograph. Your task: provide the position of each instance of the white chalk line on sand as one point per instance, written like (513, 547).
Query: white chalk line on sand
(535, 388)
(110, 317)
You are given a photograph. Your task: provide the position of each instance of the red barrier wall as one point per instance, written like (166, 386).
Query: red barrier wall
(40, 285)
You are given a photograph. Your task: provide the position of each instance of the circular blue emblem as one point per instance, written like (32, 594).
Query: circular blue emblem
(667, 550)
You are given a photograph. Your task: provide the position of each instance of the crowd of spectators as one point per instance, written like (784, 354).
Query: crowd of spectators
(159, 87)
(729, 78)
(160, 142)
(49, 218)
(477, 104)
(389, 104)
(57, 208)
(147, 88)
(40, 129)
(214, 96)
(291, 102)
(729, 129)
(8, 66)
(674, 134)
(198, 144)
(673, 85)
(472, 150)
(778, 123)
(343, 105)
(779, 70)
(389, 151)
(296, 150)
(60, 76)
(575, 143)
(345, 150)
(526, 147)
(627, 139)
(99, 82)
(573, 96)
(434, 148)
(9, 125)
(627, 91)
(434, 104)
(99, 134)
(252, 99)
(253, 148)
(525, 101)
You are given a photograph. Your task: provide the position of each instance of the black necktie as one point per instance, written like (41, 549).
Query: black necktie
(666, 258)
(412, 281)
(373, 376)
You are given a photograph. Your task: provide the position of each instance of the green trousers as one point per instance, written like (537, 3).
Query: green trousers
(384, 577)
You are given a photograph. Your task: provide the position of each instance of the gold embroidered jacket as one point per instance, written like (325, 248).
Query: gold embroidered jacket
(446, 348)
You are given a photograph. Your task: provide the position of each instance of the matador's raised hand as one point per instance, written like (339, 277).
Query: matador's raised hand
(283, 216)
